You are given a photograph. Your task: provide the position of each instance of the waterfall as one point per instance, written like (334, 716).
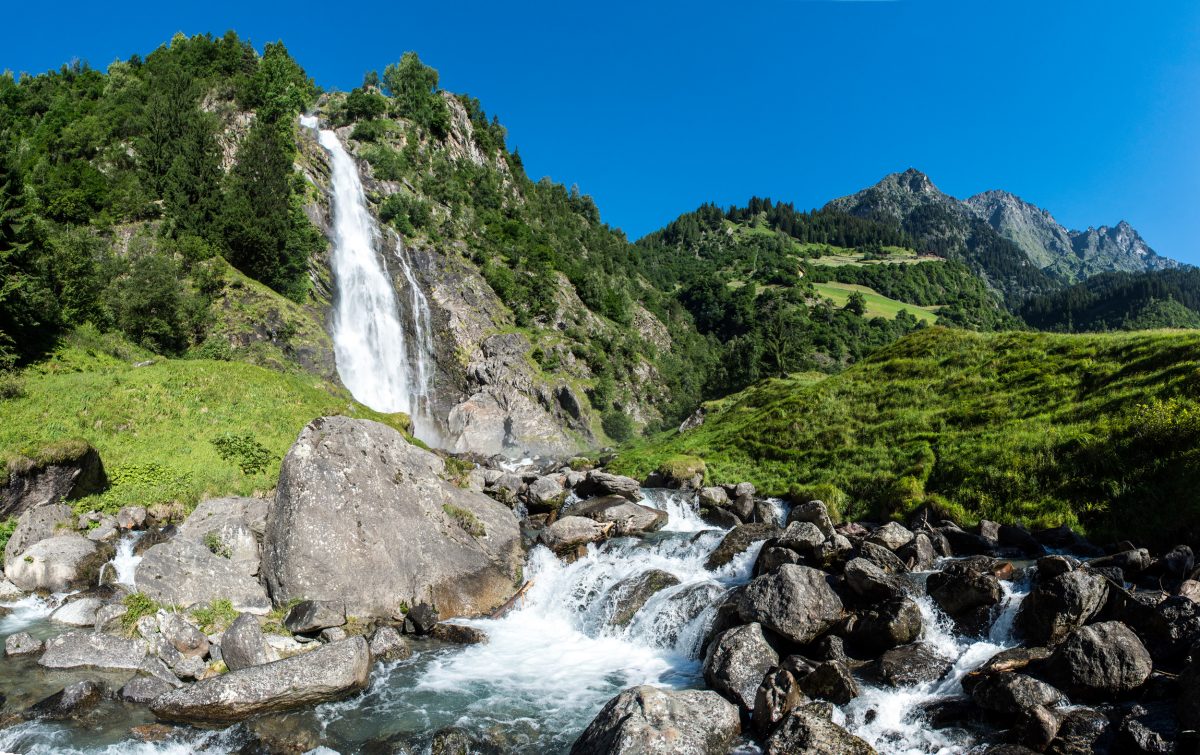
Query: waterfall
(383, 367)
(124, 564)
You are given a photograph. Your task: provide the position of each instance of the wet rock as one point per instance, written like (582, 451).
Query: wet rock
(339, 514)
(141, 690)
(330, 672)
(1056, 606)
(459, 634)
(828, 648)
(713, 497)
(778, 694)
(185, 573)
(599, 483)
(1081, 731)
(830, 681)
(881, 557)
(1179, 562)
(915, 663)
(801, 537)
(631, 594)
(309, 616)
(1100, 661)
(77, 613)
(888, 625)
(771, 558)
(570, 532)
(737, 541)
(963, 588)
(1012, 693)
(1149, 728)
(650, 721)
(892, 536)
(55, 564)
(183, 635)
(387, 645)
(1049, 567)
(21, 643)
(1190, 589)
(1016, 659)
(545, 494)
(809, 729)
(963, 543)
(815, 512)
(918, 554)
(88, 649)
(794, 601)
(736, 663)
(719, 517)
(744, 507)
(1133, 561)
(69, 702)
(452, 740)
(421, 619)
(869, 581)
(243, 644)
(627, 518)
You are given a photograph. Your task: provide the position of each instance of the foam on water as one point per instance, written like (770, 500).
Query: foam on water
(28, 611)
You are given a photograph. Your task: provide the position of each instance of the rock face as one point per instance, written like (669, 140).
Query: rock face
(54, 564)
(185, 573)
(331, 672)
(794, 601)
(75, 472)
(651, 721)
(736, 662)
(87, 649)
(356, 498)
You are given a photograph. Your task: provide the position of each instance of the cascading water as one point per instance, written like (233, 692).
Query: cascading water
(124, 564)
(382, 366)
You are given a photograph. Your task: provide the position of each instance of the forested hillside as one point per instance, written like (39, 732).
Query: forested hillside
(1120, 301)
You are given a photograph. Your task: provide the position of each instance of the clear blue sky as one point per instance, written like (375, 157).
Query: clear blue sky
(1088, 108)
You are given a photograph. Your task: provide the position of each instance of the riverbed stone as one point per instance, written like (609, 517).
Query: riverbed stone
(891, 535)
(886, 625)
(309, 616)
(630, 595)
(647, 720)
(966, 590)
(1100, 661)
(810, 729)
(355, 498)
(872, 583)
(183, 634)
(55, 564)
(185, 573)
(777, 695)
(230, 527)
(830, 681)
(801, 537)
(387, 644)
(1058, 605)
(545, 494)
(142, 690)
(915, 663)
(21, 643)
(37, 524)
(70, 702)
(599, 483)
(78, 613)
(737, 541)
(736, 662)
(794, 601)
(330, 672)
(92, 649)
(243, 644)
(570, 532)
(815, 512)
(627, 518)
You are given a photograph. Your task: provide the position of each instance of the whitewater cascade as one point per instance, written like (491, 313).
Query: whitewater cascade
(384, 366)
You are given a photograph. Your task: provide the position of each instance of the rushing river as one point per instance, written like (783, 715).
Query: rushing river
(548, 668)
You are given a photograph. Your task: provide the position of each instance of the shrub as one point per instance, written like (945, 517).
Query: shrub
(137, 605)
(618, 425)
(251, 456)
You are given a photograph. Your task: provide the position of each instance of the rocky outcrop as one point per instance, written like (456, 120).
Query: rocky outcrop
(67, 471)
(650, 721)
(94, 650)
(355, 498)
(328, 673)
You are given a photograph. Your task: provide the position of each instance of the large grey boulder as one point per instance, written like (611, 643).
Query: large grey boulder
(1059, 604)
(628, 596)
(599, 483)
(737, 541)
(627, 518)
(185, 573)
(892, 536)
(55, 564)
(243, 645)
(355, 498)
(21, 643)
(815, 512)
(794, 601)
(92, 649)
(77, 613)
(570, 532)
(330, 672)
(37, 524)
(869, 581)
(736, 662)
(310, 616)
(809, 729)
(545, 494)
(650, 721)
(231, 527)
(1100, 661)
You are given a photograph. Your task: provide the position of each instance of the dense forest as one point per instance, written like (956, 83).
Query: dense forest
(1120, 301)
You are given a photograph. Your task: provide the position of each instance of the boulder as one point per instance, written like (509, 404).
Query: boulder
(599, 483)
(809, 729)
(142, 690)
(70, 470)
(794, 601)
(243, 644)
(737, 541)
(881, 557)
(869, 581)
(892, 536)
(916, 663)
(719, 517)
(570, 532)
(736, 662)
(55, 564)
(21, 643)
(650, 721)
(231, 528)
(627, 518)
(771, 558)
(744, 506)
(545, 494)
(714, 497)
(77, 613)
(183, 635)
(185, 573)
(421, 619)
(887, 625)
(1057, 605)
(1100, 661)
(1013, 693)
(132, 517)
(966, 590)
(814, 512)
(801, 537)
(309, 616)
(830, 681)
(1133, 561)
(69, 702)
(963, 543)
(918, 554)
(332, 634)
(778, 694)
(355, 498)
(93, 650)
(628, 596)
(1179, 562)
(330, 672)
(1019, 538)
(458, 634)
(386, 644)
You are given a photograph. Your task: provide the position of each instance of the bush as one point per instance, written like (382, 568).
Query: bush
(251, 456)
(618, 425)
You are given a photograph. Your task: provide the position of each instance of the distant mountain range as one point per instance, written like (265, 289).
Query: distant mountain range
(1019, 248)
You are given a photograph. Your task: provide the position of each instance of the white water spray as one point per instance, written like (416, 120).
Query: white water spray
(381, 366)
(124, 564)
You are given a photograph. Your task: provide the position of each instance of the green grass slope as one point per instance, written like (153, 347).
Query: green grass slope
(1101, 432)
(172, 429)
(878, 305)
